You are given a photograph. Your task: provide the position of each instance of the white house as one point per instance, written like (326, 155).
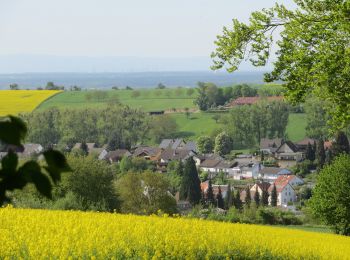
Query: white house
(250, 171)
(285, 192)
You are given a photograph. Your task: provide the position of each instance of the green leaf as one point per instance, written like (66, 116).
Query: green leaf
(12, 130)
(9, 163)
(57, 163)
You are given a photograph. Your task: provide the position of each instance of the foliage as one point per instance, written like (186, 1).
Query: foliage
(341, 144)
(65, 127)
(145, 193)
(14, 176)
(274, 196)
(330, 197)
(190, 185)
(246, 125)
(14, 86)
(223, 144)
(91, 180)
(320, 154)
(313, 54)
(162, 127)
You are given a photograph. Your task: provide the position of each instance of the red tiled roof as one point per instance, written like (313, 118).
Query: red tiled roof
(252, 100)
(281, 182)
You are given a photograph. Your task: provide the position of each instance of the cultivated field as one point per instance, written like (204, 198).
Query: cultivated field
(145, 99)
(16, 101)
(44, 234)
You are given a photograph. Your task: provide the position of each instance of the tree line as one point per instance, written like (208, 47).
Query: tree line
(118, 126)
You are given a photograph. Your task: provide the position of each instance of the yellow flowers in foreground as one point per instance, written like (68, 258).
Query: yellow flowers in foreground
(39, 234)
(17, 101)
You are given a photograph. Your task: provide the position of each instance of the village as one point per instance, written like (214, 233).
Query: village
(270, 168)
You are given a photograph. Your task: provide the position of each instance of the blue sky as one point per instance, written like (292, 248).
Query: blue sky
(97, 28)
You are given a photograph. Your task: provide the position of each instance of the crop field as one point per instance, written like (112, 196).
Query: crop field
(145, 99)
(16, 101)
(46, 234)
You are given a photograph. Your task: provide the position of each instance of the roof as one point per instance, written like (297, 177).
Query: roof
(290, 144)
(210, 163)
(224, 188)
(327, 145)
(89, 146)
(273, 170)
(252, 100)
(147, 150)
(117, 154)
(271, 144)
(306, 141)
(178, 143)
(175, 154)
(263, 185)
(226, 164)
(281, 182)
(32, 149)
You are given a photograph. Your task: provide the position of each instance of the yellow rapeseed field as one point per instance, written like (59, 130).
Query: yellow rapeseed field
(16, 101)
(44, 234)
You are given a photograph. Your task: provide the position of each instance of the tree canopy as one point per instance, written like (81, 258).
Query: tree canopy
(313, 55)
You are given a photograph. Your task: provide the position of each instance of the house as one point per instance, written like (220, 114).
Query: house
(260, 187)
(147, 152)
(288, 151)
(92, 148)
(270, 174)
(223, 188)
(252, 100)
(285, 192)
(168, 155)
(269, 146)
(293, 180)
(114, 156)
(30, 150)
(216, 165)
(302, 145)
(178, 144)
(246, 171)
(199, 158)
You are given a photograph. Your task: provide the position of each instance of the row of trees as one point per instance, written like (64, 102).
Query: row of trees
(118, 126)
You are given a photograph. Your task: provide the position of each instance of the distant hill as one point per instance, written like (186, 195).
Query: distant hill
(133, 79)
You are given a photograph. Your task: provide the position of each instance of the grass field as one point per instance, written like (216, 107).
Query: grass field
(49, 234)
(16, 101)
(296, 127)
(147, 100)
(165, 99)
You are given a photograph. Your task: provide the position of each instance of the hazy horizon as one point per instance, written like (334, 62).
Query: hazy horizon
(114, 35)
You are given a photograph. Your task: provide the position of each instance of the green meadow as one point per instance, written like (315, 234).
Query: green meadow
(171, 100)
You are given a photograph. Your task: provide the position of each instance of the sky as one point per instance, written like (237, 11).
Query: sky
(114, 28)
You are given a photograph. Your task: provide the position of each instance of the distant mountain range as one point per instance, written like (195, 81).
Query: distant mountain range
(32, 71)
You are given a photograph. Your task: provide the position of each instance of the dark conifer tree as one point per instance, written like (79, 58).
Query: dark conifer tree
(179, 168)
(262, 156)
(220, 200)
(84, 148)
(257, 197)
(314, 149)
(320, 154)
(228, 197)
(309, 152)
(341, 144)
(237, 201)
(248, 197)
(210, 194)
(274, 196)
(190, 188)
(265, 198)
